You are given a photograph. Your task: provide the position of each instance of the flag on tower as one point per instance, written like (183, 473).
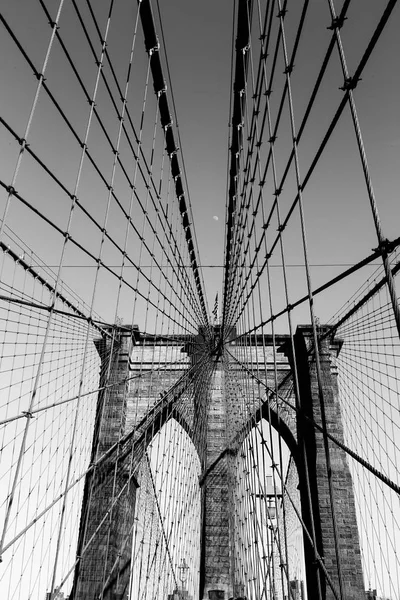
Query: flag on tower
(215, 309)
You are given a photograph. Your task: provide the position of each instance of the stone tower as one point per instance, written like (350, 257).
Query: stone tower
(226, 424)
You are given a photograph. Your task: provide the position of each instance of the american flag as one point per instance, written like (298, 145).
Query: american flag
(215, 309)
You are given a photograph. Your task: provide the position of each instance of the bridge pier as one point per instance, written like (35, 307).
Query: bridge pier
(218, 577)
(216, 568)
(314, 462)
(105, 538)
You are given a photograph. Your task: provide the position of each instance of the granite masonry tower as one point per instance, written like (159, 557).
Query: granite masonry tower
(107, 566)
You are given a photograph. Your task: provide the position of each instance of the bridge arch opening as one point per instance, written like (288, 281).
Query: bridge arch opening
(269, 551)
(166, 535)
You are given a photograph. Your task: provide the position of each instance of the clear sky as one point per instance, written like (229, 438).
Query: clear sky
(198, 38)
(339, 225)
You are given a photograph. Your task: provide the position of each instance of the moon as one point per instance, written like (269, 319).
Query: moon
(215, 218)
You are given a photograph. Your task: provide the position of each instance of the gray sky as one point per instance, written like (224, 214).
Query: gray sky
(339, 225)
(198, 38)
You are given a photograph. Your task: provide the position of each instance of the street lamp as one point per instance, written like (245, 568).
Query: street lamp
(272, 496)
(183, 573)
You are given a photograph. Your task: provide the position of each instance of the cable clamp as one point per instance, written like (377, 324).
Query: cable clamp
(40, 76)
(168, 125)
(350, 83)
(384, 248)
(28, 414)
(173, 152)
(281, 14)
(246, 49)
(277, 193)
(268, 93)
(155, 48)
(162, 91)
(262, 183)
(337, 22)
(288, 70)
(272, 139)
(11, 190)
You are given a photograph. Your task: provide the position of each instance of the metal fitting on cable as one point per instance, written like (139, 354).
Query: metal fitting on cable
(384, 247)
(155, 48)
(337, 22)
(350, 83)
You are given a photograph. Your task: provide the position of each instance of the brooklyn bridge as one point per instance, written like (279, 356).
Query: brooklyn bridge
(200, 328)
